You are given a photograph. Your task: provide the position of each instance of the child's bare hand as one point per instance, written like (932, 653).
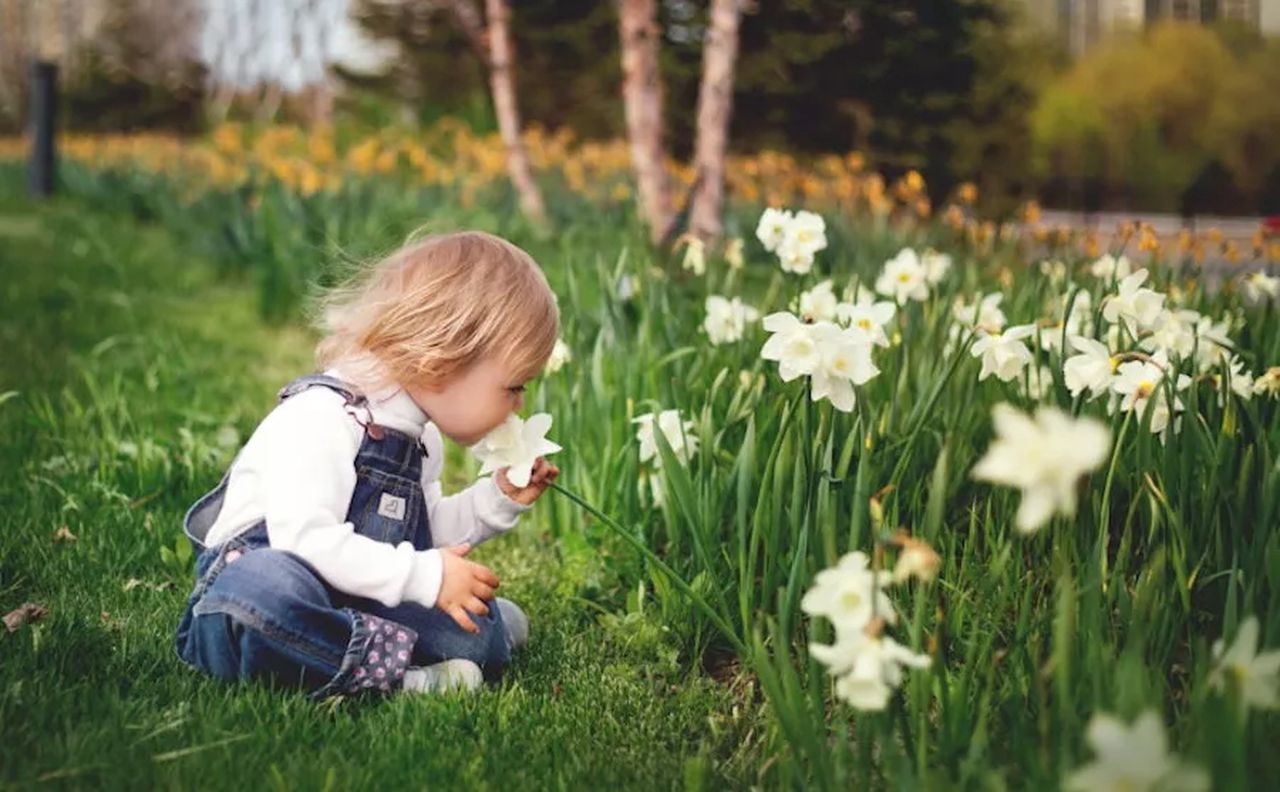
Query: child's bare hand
(543, 474)
(465, 587)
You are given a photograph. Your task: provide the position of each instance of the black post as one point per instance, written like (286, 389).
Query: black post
(44, 104)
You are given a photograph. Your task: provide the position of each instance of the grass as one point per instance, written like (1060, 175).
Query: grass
(143, 368)
(134, 372)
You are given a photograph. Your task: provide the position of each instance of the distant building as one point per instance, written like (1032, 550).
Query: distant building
(1081, 24)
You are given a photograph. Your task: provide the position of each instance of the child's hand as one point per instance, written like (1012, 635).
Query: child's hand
(465, 587)
(543, 474)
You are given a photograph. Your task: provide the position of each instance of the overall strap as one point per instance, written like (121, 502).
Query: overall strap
(349, 392)
(357, 403)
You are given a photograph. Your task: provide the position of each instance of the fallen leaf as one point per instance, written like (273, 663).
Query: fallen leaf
(63, 534)
(26, 612)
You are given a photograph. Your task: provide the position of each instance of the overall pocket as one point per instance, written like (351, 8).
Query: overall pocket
(384, 506)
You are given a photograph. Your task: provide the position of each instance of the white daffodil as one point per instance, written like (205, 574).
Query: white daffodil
(849, 595)
(1269, 383)
(808, 231)
(868, 316)
(733, 253)
(1107, 267)
(1213, 342)
(1003, 354)
(1093, 369)
(679, 434)
(1174, 332)
(792, 344)
(936, 266)
(795, 239)
(869, 668)
(1133, 758)
(626, 287)
(1259, 287)
(727, 320)
(1078, 321)
(982, 314)
(695, 255)
(794, 258)
(845, 362)
(1256, 674)
(1045, 457)
(516, 445)
(1140, 381)
(1241, 381)
(904, 278)
(1133, 304)
(1055, 271)
(560, 355)
(819, 303)
(772, 228)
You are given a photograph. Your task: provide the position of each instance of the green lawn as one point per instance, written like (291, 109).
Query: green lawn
(128, 375)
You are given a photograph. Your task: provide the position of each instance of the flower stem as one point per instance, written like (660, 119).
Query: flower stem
(675, 578)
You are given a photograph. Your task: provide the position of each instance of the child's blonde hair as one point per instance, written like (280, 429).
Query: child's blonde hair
(436, 306)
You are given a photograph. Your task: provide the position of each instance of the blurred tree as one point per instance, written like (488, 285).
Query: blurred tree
(715, 108)
(1154, 116)
(913, 85)
(642, 92)
(992, 137)
(502, 85)
(124, 64)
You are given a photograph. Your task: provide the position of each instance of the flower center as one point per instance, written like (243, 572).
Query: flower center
(1145, 388)
(865, 324)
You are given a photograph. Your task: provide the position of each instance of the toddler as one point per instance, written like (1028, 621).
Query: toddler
(328, 557)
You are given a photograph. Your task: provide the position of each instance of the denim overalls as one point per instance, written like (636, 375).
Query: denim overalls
(261, 613)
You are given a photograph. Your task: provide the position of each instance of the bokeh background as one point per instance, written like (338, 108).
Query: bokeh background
(1168, 106)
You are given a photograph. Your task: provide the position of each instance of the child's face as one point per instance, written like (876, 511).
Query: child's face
(473, 403)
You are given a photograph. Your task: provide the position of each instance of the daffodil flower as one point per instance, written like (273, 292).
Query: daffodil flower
(679, 435)
(1044, 456)
(726, 319)
(1140, 381)
(1131, 758)
(1093, 369)
(516, 445)
(904, 278)
(869, 668)
(1004, 354)
(1132, 303)
(1256, 673)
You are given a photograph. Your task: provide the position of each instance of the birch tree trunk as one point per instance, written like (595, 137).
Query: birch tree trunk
(715, 105)
(504, 105)
(642, 96)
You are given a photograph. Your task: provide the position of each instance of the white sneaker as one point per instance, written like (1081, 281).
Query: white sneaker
(457, 674)
(516, 622)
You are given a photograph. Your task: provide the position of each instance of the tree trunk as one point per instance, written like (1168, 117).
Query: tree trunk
(504, 105)
(715, 105)
(642, 96)
(321, 102)
(472, 24)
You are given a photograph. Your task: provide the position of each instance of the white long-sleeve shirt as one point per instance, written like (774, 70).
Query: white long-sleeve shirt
(297, 472)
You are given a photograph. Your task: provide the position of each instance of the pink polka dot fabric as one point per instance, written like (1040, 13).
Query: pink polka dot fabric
(389, 650)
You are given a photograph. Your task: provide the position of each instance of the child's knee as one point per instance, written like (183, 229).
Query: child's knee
(260, 596)
(487, 648)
